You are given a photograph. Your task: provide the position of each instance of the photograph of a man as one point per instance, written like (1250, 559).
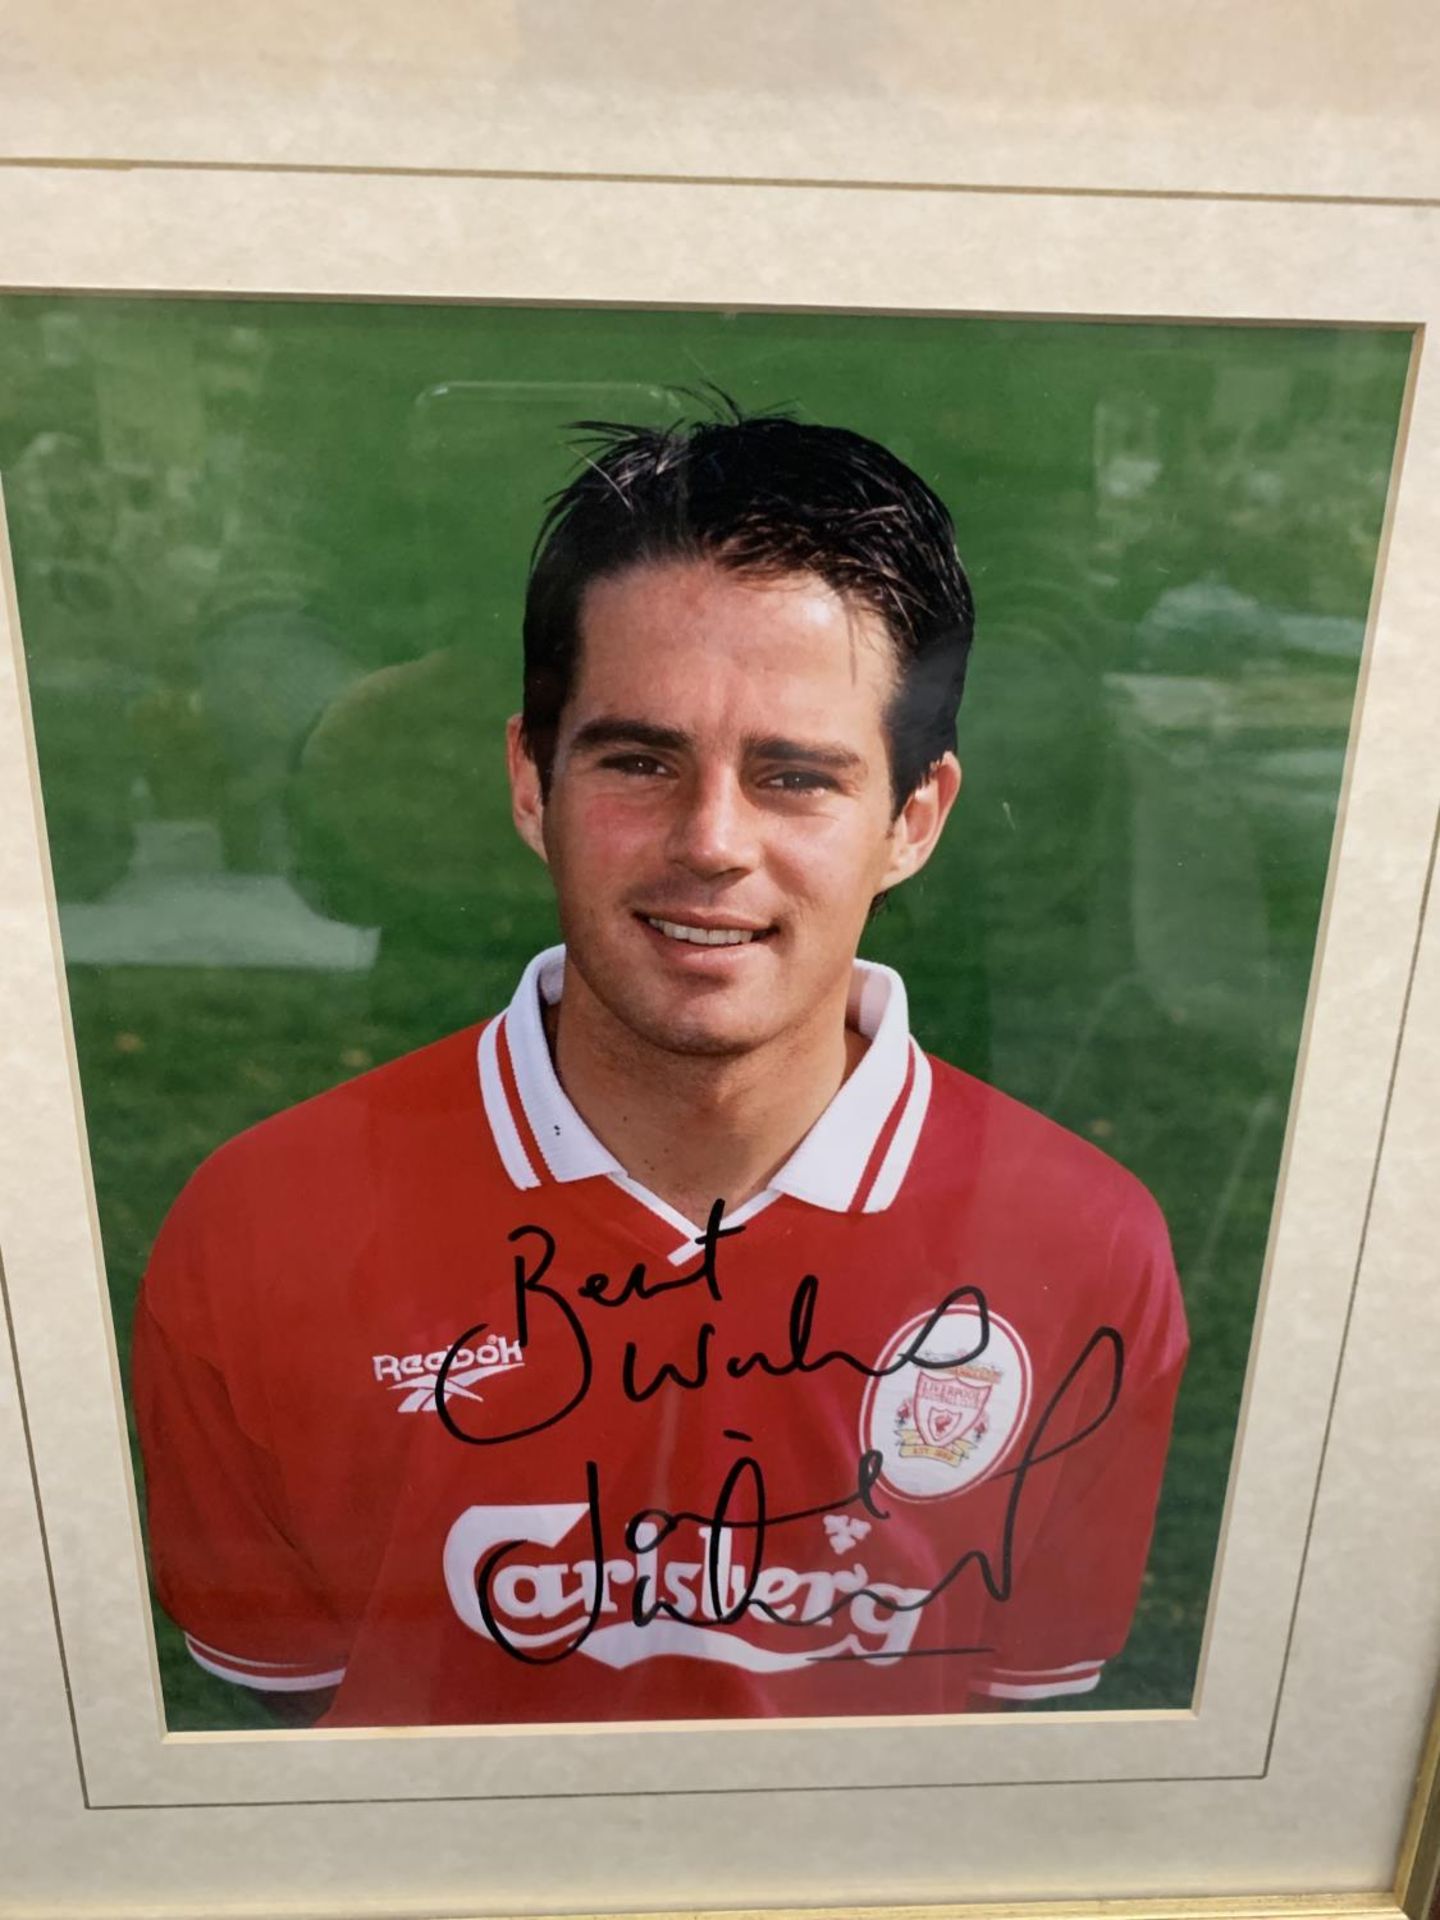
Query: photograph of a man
(682, 1341)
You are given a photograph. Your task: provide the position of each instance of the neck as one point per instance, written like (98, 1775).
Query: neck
(707, 1129)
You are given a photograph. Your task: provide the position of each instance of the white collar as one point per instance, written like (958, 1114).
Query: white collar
(853, 1158)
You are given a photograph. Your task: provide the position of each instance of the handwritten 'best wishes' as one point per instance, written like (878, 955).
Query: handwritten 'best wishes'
(741, 1505)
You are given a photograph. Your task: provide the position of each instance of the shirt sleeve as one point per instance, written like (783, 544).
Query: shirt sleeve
(225, 1564)
(1086, 1513)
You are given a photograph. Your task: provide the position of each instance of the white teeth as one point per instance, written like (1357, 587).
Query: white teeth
(702, 936)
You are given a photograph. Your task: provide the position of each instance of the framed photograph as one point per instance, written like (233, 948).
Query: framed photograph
(717, 1026)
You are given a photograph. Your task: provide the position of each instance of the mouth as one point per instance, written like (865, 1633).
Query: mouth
(694, 934)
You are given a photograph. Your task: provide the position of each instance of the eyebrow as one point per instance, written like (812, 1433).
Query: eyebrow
(629, 733)
(815, 753)
(644, 733)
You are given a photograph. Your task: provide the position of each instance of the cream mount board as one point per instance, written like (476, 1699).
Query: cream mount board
(1220, 98)
(1325, 1596)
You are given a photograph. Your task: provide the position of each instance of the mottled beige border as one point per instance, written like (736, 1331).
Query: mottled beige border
(771, 1814)
(1119, 95)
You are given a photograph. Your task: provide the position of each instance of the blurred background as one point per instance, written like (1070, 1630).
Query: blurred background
(271, 561)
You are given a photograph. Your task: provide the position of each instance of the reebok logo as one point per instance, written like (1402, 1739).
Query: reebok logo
(416, 1375)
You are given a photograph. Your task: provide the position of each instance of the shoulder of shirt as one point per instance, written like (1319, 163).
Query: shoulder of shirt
(1056, 1190)
(1014, 1136)
(433, 1081)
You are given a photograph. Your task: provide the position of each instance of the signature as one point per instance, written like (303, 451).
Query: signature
(741, 1510)
(534, 1295)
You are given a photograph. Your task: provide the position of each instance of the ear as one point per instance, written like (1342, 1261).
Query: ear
(527, 804)
(917, 826)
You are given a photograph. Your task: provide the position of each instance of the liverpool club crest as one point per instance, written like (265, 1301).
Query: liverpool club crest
(944, 1419)
(943, 1425)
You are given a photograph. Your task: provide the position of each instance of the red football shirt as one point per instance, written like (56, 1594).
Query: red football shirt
(889, 1442)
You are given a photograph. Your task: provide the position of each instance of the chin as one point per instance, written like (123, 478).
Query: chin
(696, 1032)
(695, 1041)
(693, 1021)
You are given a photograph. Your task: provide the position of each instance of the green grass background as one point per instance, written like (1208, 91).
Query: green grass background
(271, 561)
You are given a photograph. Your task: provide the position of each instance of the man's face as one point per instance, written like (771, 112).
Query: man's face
(719, 816)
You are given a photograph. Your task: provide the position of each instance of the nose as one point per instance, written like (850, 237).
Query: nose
(712, 832)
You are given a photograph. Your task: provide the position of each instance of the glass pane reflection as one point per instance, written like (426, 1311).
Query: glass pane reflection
(271, 560)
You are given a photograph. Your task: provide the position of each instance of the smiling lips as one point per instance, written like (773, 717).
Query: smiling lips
(705, 936)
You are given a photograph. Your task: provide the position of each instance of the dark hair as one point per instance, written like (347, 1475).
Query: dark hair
(767, 495)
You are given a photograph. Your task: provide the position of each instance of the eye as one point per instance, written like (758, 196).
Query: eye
(634, 763)
(801, 780)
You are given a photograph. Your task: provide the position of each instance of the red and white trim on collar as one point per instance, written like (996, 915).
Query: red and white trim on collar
(851, 1161)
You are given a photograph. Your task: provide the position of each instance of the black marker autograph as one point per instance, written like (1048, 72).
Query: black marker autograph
(744, 1484)
(659, 1523)
(531, 1287)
